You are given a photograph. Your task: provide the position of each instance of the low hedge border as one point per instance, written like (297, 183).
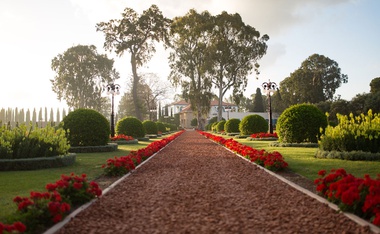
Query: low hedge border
(24, 164)
(241, 136)
(94, 149)
(233, 133)
(262, 139)
(304, 145)
(348, 155)
(134, 141)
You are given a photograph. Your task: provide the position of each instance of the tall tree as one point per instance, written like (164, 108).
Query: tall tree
(189, 40)
(135, 34)
(258, 103)
(81, 74)
(315, 81)
(234, 51)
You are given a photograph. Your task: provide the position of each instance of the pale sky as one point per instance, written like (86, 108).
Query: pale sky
(34, 32)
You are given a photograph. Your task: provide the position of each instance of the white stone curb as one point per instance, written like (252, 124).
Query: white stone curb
(67, 219)
(358, 220)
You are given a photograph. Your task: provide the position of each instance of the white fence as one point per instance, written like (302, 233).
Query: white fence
(41, 117)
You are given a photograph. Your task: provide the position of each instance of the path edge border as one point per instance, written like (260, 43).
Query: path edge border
(355, 218)
(55, 228)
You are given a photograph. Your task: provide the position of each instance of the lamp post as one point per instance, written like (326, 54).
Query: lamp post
(113, 89)
(269, 87)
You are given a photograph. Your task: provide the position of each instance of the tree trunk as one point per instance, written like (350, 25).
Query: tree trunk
(220, 103)
(134, 87)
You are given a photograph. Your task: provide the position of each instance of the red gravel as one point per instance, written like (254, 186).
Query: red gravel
(196, 186)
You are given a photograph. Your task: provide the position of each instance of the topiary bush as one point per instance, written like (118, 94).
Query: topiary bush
(300, 123)
(86, 128)
(130, 126)
(150, 127)
(220, 126)
(232, 125)
(253, 124)
(161, 127)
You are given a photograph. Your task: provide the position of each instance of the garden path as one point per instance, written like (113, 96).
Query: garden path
(196, 186)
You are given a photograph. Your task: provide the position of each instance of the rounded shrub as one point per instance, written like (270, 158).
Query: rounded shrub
(213, 126)
(220, 126)
(130, 126)
(232, 125)
(253, 124)
(300, 123)
(160, 127)
(150, 127)
(86, 128)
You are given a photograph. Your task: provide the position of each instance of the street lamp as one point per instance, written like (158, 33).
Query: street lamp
(269, 87)
(113, 89)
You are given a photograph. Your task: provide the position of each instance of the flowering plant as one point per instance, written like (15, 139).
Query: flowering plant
(357, 195)
(75, 189)
(118, 166)
(41, 209)
(264, 135)
(17, 227)
(121, 137)
(272, 161)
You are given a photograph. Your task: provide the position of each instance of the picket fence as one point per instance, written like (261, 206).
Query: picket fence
(13, 117)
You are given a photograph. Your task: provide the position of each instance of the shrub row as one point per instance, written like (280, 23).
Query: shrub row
(351, 155)
(272, 161)
(36, 163)
(41, 210)
(28, 142)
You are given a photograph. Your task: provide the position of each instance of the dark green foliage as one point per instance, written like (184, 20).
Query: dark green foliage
(253, 124)
(220, 126)
(258, 103)
(37, 163)
(130, 126)
(194, 122)
(161, 127)
(150, 127)
(352, 155)
(300, 123)
(86, 128)
(232, 125)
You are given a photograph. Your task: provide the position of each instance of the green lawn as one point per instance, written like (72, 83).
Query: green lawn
(20, 183)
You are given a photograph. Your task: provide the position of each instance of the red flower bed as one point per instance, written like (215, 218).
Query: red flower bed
(121, 137)
(118, 166)
(43, 209)
(264, 135)
(356, 195)
(270, 160)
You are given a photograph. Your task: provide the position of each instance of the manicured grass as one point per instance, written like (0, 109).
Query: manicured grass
(21, 183)
(301, 160)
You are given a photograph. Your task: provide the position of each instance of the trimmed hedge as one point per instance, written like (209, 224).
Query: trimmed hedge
(161, 127)
(110, 147)
(220, 126)
(300, 123)
(352, 155)
(37, 163)
(232, 126)
(253, 124)
(150, 127)
(130, 126)
(86, 127)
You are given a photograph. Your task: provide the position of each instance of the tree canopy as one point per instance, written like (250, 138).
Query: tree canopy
(81, 74)
(136, 35)
(316, 80)
(233, 52)
(258, 103)
(375, 85)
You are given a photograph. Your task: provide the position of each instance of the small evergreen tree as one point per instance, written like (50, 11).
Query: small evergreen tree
(258, 103)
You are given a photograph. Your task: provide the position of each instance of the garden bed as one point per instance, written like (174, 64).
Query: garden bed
(37, 163)
(194, 185)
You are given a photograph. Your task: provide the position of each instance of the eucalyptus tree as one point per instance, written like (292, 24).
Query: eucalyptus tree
(234, 51)
(136, 35)
(190, 37)
(315, 81)
(81, 74)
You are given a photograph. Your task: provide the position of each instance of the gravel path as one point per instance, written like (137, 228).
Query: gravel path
(196, 186)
